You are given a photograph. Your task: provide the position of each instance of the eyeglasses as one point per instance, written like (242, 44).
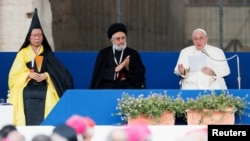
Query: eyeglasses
(36, 35)
(119, 38)
(199, 39)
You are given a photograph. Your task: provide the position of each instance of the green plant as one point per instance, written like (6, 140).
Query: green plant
(153, 105)
(213, 101)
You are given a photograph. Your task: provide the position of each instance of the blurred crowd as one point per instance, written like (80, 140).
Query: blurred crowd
(80, 128)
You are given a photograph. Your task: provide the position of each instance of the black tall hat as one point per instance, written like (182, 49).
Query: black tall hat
(35, 23)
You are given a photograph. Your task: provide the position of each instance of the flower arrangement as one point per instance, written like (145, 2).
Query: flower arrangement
(223, 102)
(219, 102)
(152, 106)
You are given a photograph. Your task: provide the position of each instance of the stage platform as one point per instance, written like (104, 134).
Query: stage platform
(101, 104)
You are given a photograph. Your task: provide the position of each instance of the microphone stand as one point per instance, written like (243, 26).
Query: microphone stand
(238, 69)
(238, 64)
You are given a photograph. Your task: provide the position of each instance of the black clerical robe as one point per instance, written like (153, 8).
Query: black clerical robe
(104, 76)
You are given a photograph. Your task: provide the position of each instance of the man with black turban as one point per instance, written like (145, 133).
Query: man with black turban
(37, 79)
(118, 66)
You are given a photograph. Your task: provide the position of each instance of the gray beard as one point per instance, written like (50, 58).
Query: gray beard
(119, 48)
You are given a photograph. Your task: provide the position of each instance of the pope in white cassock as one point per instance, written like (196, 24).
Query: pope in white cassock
(202, 66)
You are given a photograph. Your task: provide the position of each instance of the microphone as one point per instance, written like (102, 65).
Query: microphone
(205, 52)
(238, 64)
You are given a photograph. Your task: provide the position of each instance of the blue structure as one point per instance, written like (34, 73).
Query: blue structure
(100, 105)
(159, 69)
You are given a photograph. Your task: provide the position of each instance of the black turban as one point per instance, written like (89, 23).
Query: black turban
(116, 27)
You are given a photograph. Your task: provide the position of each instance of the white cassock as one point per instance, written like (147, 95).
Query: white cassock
(197, 80)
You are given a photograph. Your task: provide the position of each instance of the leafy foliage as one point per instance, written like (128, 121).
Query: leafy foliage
(221, 102)
(154, 104)
(130, 106)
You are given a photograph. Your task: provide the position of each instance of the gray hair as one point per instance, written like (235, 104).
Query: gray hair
(117, 134)
(41, 137)
(199, 29)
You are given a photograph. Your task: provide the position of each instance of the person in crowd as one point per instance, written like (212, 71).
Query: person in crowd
(9, 132)
(90, 131)
(78, 124)
(195, 135)
(37, 79)
(15, 135)
(117, 134)
(202, 66)
(41, 137)
(83, 125)
(63, 133)
(138, 130)
(118, 66)
(6, 129)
